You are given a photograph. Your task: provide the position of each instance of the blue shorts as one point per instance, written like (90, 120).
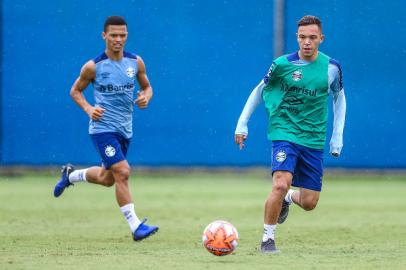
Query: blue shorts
(111, 146)
(306, 164)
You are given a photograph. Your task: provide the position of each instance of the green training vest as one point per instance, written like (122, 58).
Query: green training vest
(296, 101)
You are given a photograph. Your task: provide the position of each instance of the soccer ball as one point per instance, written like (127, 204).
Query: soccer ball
(220, 238)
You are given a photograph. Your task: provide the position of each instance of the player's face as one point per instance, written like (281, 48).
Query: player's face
(115, 36)
(309, 38)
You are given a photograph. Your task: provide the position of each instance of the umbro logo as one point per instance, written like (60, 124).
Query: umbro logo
(105, 75)
(292, 100)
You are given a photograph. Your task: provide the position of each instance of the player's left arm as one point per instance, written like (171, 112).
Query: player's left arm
(339, 108)
(145, 94)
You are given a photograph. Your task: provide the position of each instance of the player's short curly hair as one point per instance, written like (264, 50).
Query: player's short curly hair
(308, 20)
(114, 20)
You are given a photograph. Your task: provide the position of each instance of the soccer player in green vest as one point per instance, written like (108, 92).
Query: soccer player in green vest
(295, 92)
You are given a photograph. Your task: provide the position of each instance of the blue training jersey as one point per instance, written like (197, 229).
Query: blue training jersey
(114, 86)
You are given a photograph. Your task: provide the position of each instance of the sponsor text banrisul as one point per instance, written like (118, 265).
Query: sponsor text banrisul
(114, 88)
(299, 90)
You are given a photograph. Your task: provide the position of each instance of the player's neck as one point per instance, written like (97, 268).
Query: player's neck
(308, 58)
(115, 56)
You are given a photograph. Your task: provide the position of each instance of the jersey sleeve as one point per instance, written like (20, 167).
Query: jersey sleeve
(270, 75)
(335, 76)
(253, 101)
(339, 106)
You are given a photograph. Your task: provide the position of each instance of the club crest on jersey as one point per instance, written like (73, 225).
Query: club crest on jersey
(110, 151)
(280, 156)
(297, 75)
(130, 72)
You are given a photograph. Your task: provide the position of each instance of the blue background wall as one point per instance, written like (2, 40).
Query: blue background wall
(203, 58)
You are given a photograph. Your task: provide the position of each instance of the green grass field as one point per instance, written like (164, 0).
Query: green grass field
(360, 223)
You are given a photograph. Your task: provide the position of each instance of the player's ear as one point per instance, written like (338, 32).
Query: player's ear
(104, 35)
(321, 38)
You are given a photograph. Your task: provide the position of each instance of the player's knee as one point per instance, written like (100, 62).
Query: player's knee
(108, 182)
(309, 205)
(281, 182)
(122, 174)
(280, 187)
(105, 178)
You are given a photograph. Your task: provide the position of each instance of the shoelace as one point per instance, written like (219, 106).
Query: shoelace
(144, 220)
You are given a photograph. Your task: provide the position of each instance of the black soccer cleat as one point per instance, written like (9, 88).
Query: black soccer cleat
(269, 246)
(284, 212)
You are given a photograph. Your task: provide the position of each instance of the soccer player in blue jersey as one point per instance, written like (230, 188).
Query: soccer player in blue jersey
(295, 92)
(113, 75)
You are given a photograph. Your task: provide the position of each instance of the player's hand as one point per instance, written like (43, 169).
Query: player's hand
(142, 100)
(335, 151)
(336, 144)
(240, 139)
(95, 113)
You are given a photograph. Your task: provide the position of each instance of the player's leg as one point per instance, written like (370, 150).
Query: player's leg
(115, 169)
(283, 215)
(114, 153)
(121, 172)
(100, 176)
(95, 175)
(112, 148)
(283, 164)
(308, 176)
(281, 181)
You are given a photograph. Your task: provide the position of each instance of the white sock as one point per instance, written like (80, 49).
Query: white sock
(129, 213)
(78, 176)
(288, 197)
(269, 232)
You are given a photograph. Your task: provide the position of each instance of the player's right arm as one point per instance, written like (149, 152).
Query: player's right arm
(87, 75)
(241, 131)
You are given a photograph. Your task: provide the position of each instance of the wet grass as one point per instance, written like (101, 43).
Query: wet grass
(360, 223)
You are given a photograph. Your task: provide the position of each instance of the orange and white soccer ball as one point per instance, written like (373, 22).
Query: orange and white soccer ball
(220, 238)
